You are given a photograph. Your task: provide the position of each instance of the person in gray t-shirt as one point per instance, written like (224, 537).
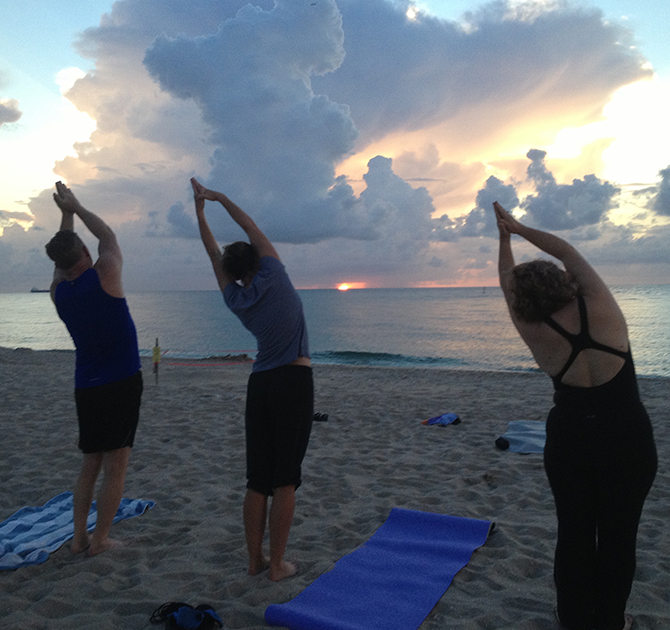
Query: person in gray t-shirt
(280, 394)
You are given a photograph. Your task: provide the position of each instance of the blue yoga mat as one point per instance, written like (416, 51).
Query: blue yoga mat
(526, 436)
(392, 581)
(31, 534)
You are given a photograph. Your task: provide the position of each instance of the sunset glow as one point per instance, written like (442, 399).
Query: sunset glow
(573, 130)
(345, 286)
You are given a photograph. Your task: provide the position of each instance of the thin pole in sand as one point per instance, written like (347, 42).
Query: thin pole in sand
(157, 359)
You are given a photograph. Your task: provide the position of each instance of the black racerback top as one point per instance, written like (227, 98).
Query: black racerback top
(581, 341)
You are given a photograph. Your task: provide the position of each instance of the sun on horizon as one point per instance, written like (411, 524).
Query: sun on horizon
(345, 286)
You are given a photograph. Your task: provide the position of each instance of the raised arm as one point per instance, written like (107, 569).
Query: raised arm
(110, 259)
(211, 246)
(68, 203)
(256, 237)
(66, 223)
(589, 281)
(505, 255)
(67, 218)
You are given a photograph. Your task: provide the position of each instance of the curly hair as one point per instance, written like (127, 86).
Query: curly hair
(240, 259)
(65, 249)
(541, 288)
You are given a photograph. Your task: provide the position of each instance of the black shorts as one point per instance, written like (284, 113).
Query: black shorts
(279, 412)
(108, 414)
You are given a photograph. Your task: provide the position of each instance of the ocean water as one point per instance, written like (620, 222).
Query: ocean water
(462, 328)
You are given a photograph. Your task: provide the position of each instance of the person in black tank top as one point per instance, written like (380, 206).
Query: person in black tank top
(600, 457)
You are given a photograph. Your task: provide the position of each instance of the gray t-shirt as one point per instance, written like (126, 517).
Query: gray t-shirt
(271, 309)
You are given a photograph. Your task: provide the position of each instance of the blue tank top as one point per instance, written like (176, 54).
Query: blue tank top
(271, 309)
(102, 329)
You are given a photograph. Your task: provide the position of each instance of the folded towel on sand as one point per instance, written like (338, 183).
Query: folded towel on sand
(392, 581)
(31, 534)
(524, 436)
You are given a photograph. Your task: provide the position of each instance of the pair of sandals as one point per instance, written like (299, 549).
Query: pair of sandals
(180, 616)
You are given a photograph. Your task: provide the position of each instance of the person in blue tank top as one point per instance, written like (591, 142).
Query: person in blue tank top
(600, 457)
(280, 393)
(89, 299)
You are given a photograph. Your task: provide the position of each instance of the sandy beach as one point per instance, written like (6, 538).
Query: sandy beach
(371, 455)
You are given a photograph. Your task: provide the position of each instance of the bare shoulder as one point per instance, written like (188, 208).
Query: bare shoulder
(109, 273)
(607, 323)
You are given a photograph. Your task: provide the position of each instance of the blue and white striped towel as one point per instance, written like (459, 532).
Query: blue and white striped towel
(31, 534)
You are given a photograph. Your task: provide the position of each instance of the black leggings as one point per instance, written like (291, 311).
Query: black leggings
(600, 467)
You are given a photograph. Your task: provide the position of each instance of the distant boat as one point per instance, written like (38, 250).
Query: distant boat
(36, 290)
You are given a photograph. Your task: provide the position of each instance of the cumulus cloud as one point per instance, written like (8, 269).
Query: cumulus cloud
(277, 142)
(23, 261)
(621, 244)
(660, 201)
(9, 111)
(566, 206)
(395, 208)
(270, 93)
(481, 220)
(401, 74)
(579, 206)
(9, 218)
(271, 101)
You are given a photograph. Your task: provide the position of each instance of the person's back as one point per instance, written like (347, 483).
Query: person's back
(599, 453)
(270, 308)
(280, 392)
(89, 299)
(101, 328)
(592, 366)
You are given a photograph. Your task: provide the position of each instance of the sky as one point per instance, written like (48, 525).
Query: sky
(367, 138)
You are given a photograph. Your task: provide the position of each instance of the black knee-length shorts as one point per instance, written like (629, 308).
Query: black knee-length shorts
(279, 413)
(108, 414)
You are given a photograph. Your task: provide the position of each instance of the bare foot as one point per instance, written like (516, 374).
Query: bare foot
(258, 567)
(81, 544)
(108, 544)
(286, 570)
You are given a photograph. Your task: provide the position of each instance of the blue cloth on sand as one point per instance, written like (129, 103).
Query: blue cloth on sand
(526, 436)
(443, 420)
(31, 534)
(392, 581)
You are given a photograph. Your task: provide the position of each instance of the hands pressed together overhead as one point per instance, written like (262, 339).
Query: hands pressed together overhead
(65, 198)
(202, 194)
(507, 224)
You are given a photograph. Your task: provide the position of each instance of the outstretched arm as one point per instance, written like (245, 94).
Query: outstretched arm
(588, 279)
(68, 203)
(211, 246)
(110, 259)
(66, 223)
(67, 218)
(256, 237)
(505, 255)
